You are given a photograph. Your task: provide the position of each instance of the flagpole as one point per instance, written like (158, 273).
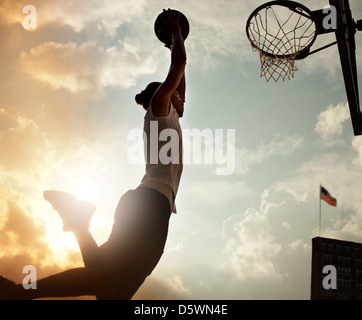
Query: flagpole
(319, 191)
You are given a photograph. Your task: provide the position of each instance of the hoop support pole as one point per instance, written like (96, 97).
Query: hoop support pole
(324, 47)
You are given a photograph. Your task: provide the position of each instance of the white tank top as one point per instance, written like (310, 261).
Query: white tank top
(163, 154)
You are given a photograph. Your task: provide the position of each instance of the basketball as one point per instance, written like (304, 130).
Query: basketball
(166, 38)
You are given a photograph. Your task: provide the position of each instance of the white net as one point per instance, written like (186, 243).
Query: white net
(277, 68)
(279, 34)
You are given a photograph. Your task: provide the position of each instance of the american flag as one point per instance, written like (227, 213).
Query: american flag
(325, 195)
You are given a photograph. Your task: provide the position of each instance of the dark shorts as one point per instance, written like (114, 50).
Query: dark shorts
(137, 240)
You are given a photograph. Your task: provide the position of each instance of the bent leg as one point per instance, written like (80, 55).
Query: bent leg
(70, 283)
(88, 247)
(76, 216)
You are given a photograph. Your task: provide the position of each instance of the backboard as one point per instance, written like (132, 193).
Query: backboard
(345, 36)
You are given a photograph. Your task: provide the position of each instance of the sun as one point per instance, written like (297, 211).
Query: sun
(85, 189)
(64, 244)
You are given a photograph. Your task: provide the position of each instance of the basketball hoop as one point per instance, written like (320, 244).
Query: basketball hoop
(284, 31)
(281, 32)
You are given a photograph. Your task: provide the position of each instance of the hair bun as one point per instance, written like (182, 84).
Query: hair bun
(140, 98)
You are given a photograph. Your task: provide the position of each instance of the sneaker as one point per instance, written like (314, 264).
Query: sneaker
(76, 214)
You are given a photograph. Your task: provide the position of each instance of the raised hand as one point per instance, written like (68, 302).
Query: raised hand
(171, 22)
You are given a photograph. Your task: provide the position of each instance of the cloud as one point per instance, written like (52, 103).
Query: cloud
(22, 143)
(251, 248)
(177, 285)
(214, 32)
(262, 253)
(218, 192)
(20, 229)
(341, 175)
(107, 15)
(200, 250)
(125, 65)
(64, 66)
(11, 12)
(333, 171)
(30, 231)
(330, 123)
(295, 245)
(283, 146)
(23, 239)
(357, 146)
(86, 67)
(267, 249)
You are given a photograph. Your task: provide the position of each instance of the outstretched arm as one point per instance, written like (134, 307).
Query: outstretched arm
(161, 100)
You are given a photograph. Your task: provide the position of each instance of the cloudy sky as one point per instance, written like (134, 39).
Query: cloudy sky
(67, 110)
